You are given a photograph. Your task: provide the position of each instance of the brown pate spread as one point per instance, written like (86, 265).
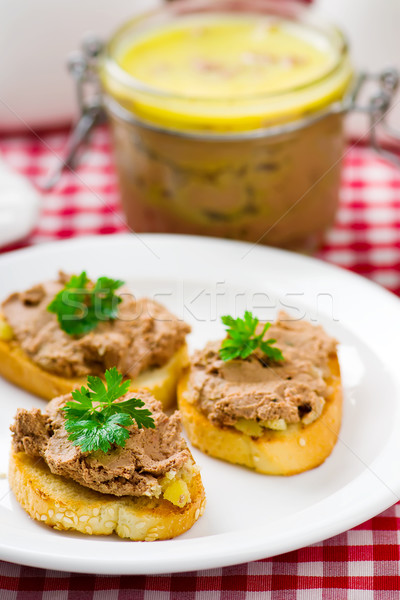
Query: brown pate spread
(256, 388)
(145, 335)
(134, 470)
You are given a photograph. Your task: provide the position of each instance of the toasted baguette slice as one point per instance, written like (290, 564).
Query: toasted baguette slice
(18, 368)
(296, 449)
(65, 505)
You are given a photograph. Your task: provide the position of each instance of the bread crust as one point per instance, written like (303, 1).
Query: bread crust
(298, 448)
(66, 505)
(18, 368)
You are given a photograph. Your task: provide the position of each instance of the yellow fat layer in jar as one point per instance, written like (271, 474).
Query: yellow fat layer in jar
(223, 72)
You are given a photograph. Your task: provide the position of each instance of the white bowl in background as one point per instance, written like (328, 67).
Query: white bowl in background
(19, 205)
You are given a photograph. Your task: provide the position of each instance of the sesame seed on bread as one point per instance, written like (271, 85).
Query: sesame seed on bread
(66, 505)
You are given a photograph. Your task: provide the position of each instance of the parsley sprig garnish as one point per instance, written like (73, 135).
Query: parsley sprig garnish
(95, 422)
(242, 340)
(80, 305)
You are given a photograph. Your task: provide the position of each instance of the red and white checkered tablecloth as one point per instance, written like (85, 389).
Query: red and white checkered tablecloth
(360, 564)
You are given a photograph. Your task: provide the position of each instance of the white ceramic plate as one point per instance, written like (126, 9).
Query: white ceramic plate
(248, 516)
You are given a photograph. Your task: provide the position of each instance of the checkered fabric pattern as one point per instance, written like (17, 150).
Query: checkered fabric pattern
(365, 239)
(360, 564)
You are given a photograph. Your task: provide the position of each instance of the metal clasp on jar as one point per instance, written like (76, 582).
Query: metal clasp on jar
(377, 105)
(82, 66)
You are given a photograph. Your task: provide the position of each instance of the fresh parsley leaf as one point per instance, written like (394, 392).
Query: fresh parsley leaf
(116, 387)
(242, 340)
(80, 305)
(95, 421)
(143, 417)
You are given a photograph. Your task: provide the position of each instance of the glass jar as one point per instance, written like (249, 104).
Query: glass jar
(227, 120)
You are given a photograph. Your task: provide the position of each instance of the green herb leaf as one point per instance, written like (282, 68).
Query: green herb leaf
(95, 422)
(80, 305)
(243, 341)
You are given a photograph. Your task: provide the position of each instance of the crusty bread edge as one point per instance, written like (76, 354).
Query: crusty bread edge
(65, 505)
(297, 449)
(19, 369)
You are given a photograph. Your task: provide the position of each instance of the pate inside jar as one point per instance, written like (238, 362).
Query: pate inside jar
(221, 120)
